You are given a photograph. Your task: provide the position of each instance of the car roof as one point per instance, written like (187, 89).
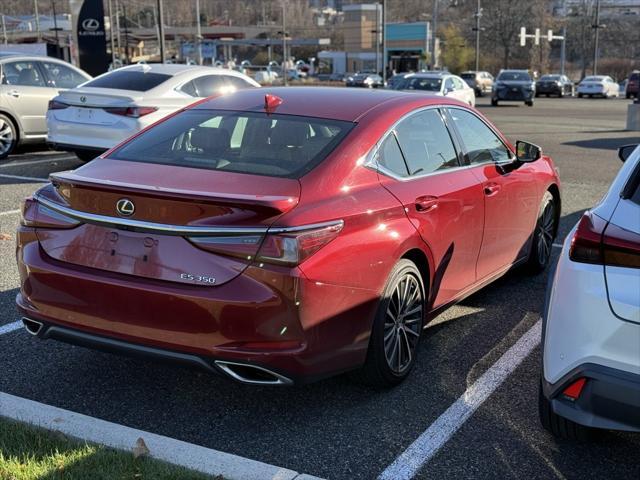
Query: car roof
(322, 102)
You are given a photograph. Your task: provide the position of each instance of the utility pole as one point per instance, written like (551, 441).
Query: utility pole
(118, 30)
(384, 42)
(161, 31)
(563, 51)
(37, 15)
(376, 31)
(126, 33)
(597, 28)
(478, 14)
(284, 44)
(111, 37)
(55, 28)
(4, 31)
(198, 33)
(434, 18)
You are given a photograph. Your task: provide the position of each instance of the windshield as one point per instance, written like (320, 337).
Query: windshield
(242, 142)
(514, 76)
(422, 83)
(593, 79)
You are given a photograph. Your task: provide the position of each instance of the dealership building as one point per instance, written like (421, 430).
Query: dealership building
(407, 44)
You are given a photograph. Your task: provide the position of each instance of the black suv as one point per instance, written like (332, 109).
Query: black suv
(513, 86)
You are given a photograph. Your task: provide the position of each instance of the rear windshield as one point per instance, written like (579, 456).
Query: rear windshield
(418, 83)
(242, 142)
(468, 75)
(550, 77)
(128, 80)
(515, 76)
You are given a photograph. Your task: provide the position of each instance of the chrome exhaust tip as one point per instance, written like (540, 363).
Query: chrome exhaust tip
(252, 374)
(33, 327)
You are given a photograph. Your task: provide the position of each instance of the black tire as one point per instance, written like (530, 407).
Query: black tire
(494, 102)
(8, 136)
(377, 370)
(561, 94)
(628, 95)
(529, 103)
(561, 427)
(579, 95)
(537, 95)
(543, 235)
(86, 155)
(547, 95)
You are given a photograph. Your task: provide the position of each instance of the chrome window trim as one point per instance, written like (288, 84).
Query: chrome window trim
(370, 157)
(178, 230)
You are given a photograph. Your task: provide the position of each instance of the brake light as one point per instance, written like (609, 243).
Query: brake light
(599, 243)
(292, 248)
(241, 246)
(132, 112)
(56, 105)
(36, 215)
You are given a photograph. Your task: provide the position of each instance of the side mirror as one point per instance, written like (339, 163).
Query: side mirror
(447, 90)
(625, 151)
(527, 152)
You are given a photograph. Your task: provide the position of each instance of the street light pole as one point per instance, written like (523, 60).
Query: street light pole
(597, 27)
(384, 42)
(563, 54)
(284, 44)
(434, 60)
(161, 31)
(198, 32)
(55, 28)
(111, 37)
(35, 8)
(477, 29)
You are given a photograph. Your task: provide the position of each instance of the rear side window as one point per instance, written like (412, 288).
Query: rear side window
(243, 142)
(390, 156)
(129, 80)
(425, 143)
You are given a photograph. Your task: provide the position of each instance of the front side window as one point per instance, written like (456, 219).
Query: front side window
(25, 74)
(61, 76)
(425, 143)
(481, 143)
(242, 142)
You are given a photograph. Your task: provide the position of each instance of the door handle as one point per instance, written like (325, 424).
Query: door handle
(491, 189)
(14, 93)
(426, 203)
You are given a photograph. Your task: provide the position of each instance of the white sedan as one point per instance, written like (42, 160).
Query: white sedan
(103, 112)
(598, 85)
(591, 329)
(442, 84)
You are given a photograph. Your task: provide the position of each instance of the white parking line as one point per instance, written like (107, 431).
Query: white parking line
(10, 327)
(20, 177)
(18, 163)
(10, 212)
(424, 448)
(195, 457)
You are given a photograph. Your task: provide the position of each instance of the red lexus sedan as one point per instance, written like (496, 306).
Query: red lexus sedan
(285, 237)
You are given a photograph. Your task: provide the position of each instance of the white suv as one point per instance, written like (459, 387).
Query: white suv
(591, 333)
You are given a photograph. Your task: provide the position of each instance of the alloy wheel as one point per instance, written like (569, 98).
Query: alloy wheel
(6, 136)
(403, 320)
(546, 229)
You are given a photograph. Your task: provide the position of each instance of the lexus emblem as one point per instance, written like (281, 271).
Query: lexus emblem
(83, 99)
(90, 24)
(125, 207)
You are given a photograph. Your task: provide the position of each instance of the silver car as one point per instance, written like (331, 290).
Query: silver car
(27, 83)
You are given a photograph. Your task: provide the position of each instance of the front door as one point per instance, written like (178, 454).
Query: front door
(510, 194)
(25, 90)
(443, 201)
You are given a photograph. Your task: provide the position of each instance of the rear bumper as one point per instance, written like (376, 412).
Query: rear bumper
(610, 398)
(270, 318)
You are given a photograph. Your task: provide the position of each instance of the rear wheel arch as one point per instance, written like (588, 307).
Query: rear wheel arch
(421, 261)
(555, 193)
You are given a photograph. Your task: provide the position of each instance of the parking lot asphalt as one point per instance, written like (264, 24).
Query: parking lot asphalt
(335, 428)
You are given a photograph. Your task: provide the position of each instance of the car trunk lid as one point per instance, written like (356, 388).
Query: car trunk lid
(182, 225)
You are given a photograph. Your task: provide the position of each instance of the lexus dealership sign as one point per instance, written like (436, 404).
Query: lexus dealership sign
(88, 25)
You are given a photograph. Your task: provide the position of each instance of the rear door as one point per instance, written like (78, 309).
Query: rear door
(623, 230)
(422, 169)
(510, 195)
(25, 90)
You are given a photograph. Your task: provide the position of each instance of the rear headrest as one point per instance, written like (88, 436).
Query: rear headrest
(290, 133)
(28, 76)
(210, 140)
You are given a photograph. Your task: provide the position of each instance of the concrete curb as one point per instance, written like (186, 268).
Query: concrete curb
(194, 457)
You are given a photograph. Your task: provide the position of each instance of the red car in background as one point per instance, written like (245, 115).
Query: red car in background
(285, 237)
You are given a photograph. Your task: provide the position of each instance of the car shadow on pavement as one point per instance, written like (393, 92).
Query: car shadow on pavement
(604, 143)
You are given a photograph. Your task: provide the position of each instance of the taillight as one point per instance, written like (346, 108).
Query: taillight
(133, 112)
(56, 105)
(292, 248)
(241, 246)
(600, 243)
(36, 215)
